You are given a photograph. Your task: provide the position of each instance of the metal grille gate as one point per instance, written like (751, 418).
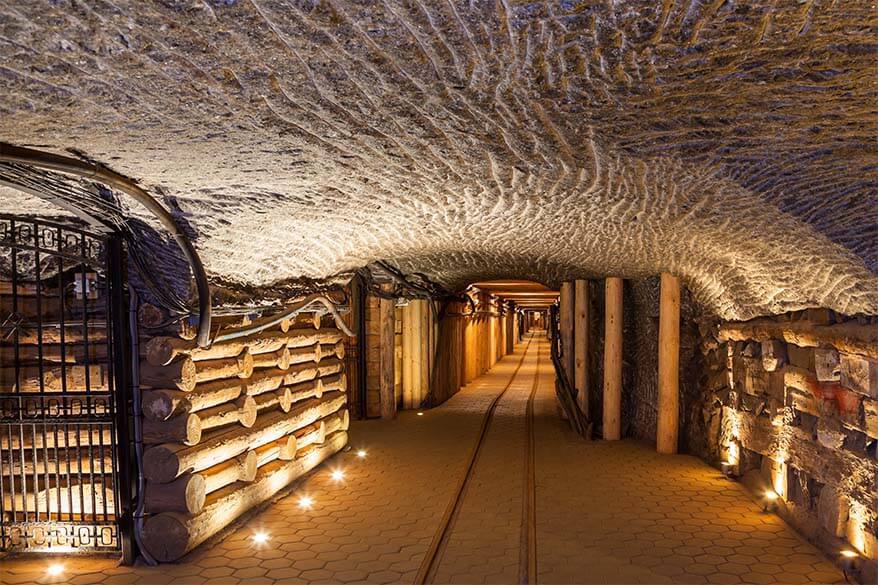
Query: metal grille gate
(64, 387)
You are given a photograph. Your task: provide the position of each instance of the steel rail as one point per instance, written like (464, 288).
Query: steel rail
(73, 166)
(528, 558)
(440, 539)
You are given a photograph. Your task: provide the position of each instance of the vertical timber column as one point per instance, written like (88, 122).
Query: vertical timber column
(567, 312)
(387, 353)
(511, 329)
(424, 354)
(580, 342)
(407, 355)
(668, 366)
(613, 360)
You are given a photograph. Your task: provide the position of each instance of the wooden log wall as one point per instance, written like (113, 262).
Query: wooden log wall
(418, 345)
(463, 344)
(373, 358)
(468, 344)
(229, 426)
(792, 402)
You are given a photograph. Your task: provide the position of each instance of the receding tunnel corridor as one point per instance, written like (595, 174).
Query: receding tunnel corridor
(599, 512)
(434, 291)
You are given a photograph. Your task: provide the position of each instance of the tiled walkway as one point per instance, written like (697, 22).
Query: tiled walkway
(606, 513)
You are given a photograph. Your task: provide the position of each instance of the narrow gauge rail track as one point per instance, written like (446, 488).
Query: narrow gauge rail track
(527, 555)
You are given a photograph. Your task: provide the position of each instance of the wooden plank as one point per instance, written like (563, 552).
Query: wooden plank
(612, 415)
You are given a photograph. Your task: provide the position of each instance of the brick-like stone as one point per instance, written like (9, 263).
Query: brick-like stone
(830, 433)
(870, 415)
(774, 355)
(826, 365)
(801, 357)
(859, 374)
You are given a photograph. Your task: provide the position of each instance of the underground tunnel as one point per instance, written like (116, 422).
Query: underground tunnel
(438, 292)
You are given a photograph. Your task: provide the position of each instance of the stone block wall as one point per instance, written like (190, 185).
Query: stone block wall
(790, 404)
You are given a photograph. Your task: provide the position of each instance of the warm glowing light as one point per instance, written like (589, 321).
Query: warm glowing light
(260, 538)
(849, 554)
(306, 502)
(361, 454)
(769, 501)
(779, 477)
(734, 453)
(337, 475)
(420, 414)
(857, 522)
(55, 570)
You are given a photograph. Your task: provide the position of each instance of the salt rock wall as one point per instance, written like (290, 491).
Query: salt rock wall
(640, 361)
(227, 427)
(791, 404)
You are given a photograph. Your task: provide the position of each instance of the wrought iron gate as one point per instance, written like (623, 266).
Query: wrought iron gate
(64, 388)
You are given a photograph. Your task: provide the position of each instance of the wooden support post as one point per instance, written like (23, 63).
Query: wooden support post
(408, 347)
(416, 347)
(668, 366)
(567, 312)
(613, 360)
(423, 345)
(580, 342)
(511, 329)
(387, 353)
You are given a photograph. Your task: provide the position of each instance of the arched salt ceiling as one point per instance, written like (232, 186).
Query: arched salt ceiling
(733, 143)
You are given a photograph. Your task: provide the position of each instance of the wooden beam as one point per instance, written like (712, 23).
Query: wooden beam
(567, 312)
(612, 418)
(847, 337)
(387, 354)
(668, 365)
(580, 342)
(408, 349)
(424, 352)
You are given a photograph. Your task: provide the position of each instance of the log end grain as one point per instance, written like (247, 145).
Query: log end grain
(184, 428)
(160, 351)
(245, 364)
(185, 494)
(247, 466)
(161, 405)
(247, 411)
(287, 448)
(166, 536)
(161, 464)
(285, 399)
(283, 358)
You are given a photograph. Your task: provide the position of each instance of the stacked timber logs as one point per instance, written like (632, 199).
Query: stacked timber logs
(228, 426)
(793, 402)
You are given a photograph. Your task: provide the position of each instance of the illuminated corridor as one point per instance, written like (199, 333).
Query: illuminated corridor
(591, 285)
(605, 512)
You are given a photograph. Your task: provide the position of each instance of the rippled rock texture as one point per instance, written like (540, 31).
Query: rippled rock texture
(730, 142)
